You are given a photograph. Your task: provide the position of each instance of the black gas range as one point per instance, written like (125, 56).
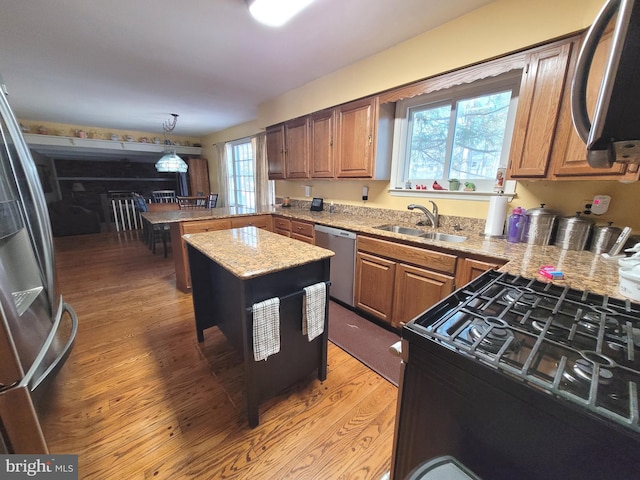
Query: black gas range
(519, 378)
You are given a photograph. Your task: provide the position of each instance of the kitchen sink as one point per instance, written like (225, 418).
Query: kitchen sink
(403, 230)
(443, 237)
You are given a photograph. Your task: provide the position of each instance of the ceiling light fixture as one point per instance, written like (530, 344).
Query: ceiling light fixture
(170, 162)
(275, 13)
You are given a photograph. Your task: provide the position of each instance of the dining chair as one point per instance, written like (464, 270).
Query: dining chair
(193, 203)
(164, 196)
(153, 232)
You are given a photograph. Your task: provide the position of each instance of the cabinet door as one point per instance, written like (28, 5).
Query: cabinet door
(258, 221)
(538, 107)
(198, 176)
(468, 269)
(375, 278)
(296, 141)
(275, 152)
(417, 289)
(355, 136)
(321, 134)
(569, 154)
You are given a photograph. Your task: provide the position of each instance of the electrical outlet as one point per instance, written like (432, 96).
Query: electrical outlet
(585, 206)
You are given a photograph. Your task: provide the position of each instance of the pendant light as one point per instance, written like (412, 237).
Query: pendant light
(170, 162)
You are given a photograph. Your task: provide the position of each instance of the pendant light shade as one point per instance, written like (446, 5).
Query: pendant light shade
(170, 162)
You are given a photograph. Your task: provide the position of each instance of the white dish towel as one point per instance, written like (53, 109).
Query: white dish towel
(314, 304)
(266, 328)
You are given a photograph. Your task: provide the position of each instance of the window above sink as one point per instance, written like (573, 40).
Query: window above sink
(462, 132)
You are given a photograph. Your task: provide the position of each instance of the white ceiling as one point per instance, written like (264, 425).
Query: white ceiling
(129, 64)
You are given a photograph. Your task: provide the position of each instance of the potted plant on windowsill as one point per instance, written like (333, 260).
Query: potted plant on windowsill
(454, 184)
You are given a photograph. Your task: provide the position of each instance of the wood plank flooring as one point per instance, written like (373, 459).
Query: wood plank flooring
(139, 398)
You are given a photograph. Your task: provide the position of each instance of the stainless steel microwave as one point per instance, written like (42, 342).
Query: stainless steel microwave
(613, 134)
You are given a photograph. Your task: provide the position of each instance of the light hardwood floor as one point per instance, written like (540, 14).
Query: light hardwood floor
(139, 398)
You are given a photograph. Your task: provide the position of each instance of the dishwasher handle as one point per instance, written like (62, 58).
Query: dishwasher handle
(336, 232)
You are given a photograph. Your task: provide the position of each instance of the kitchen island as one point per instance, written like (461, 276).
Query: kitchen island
(234, 269)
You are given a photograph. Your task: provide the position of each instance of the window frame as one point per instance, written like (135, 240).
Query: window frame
(232, 168)
(399, 162)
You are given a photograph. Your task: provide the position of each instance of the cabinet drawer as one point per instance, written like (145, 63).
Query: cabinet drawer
(205, 226)
(302, 228)
(302, 238)
(422, 257)
(260, 221)
(282, 224)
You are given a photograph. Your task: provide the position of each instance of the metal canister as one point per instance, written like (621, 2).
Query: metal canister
(604, 236)
(540, 225)
(573, 232)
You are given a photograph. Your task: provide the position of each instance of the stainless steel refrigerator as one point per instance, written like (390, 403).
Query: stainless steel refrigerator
(37, 328)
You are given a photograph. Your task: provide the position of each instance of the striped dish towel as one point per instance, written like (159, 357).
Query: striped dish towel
(314, 304)
(266, 328)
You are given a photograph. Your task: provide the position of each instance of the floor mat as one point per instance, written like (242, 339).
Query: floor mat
(365, 341)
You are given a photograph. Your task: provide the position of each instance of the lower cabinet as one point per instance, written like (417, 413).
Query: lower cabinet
(470, 268)
(258, 221)
(417, 289)
(298, 229)
(303, 231)
(179, 247)
(282, 226)
(396, 282)
(375, 282)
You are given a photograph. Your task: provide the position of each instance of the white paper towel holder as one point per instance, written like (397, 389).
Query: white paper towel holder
(499, 216)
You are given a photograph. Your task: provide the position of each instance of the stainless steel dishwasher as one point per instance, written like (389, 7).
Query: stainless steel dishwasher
(343, 244)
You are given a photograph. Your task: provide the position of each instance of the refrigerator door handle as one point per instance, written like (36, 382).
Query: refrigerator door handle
(579, 112)
(64, 353)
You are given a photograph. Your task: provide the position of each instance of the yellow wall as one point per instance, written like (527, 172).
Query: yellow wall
(498, 28)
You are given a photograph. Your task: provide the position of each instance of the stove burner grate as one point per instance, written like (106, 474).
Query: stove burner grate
(494, 333)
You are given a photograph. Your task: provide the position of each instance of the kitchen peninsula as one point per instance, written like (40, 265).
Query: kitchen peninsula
(234, 269)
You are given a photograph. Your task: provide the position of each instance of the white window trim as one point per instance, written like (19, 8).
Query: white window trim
(484, 188)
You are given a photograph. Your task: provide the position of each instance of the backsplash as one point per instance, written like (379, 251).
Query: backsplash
(447, 222)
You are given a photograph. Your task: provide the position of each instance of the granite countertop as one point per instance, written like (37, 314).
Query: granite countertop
(583, 270)
(250, 252)
(175, 216)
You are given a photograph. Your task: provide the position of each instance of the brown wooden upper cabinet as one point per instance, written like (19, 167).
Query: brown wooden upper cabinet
(296, 148)
(349, 141)
(541, 88)
(275, 151)
(198, 174)
(364, 139)
(545, 144)
(322, 132)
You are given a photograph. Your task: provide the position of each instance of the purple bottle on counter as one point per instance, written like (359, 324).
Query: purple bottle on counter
(515, 225)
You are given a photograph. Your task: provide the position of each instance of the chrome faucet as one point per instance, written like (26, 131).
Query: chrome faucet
(432, 217)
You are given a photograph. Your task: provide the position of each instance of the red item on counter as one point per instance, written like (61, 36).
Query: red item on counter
(437, 186)
(549, 271)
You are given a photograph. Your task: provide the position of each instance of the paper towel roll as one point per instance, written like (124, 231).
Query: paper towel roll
(496, 216)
